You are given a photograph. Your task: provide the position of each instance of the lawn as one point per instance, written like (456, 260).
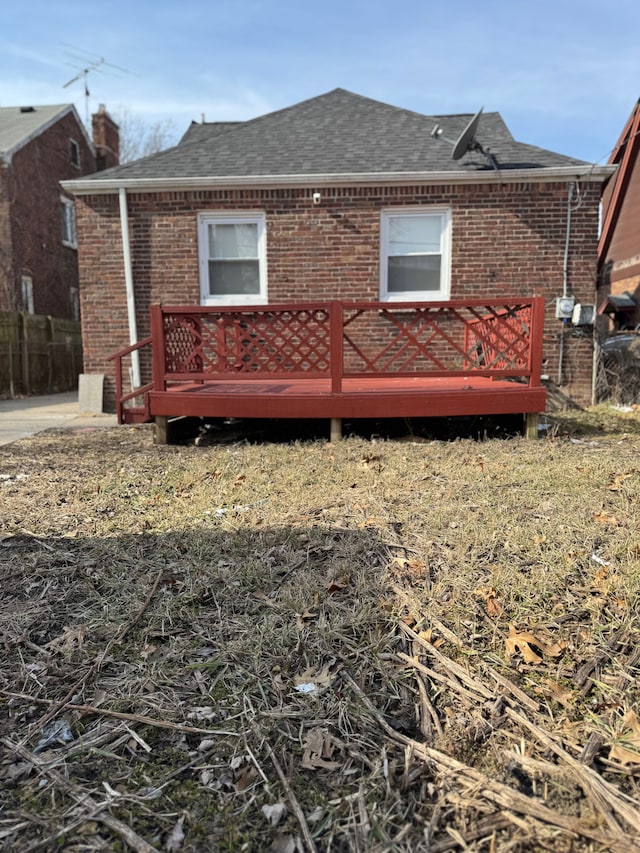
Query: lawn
(374, 645)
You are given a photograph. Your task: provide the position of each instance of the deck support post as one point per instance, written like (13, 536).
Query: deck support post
(162, 429)
(336, 429)
(531, 425)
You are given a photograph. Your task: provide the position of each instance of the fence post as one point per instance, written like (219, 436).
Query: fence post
(12, 389)
(26, 375)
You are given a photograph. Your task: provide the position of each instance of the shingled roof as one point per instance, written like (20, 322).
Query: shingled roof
(335, 134)
(18, 125)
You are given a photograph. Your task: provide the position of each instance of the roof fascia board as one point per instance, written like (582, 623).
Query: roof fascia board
(106, 186)
(630, 140)
(7, 155)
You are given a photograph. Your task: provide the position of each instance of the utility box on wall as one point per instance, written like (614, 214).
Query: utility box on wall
(583, 315)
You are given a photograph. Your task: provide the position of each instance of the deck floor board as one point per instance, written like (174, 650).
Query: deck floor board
(384, 396)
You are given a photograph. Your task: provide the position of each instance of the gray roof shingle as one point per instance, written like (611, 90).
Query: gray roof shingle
(335, 133)
(19, 124)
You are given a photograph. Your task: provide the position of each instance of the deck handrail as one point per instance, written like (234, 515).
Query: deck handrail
(122, 398)
(502, 338)
(335, 340)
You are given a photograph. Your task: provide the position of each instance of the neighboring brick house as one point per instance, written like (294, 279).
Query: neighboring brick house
(337, 197)
(39, 147)
(619, 248)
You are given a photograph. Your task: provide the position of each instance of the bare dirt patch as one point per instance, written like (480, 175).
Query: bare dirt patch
(372, 645)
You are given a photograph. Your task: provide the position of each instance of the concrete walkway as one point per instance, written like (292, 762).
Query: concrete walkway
(30, 415)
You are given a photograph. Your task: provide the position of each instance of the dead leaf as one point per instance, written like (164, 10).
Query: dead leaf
(99, 697)
(148, 650)
(247, 778)
(70, 639)
(427, 636)
(410, 565)
(369, 458)
(494, 608)
(618, 481)
(552, 690)
(302, 619)
(606, 518)
(320, 677)
(262, 596)
(286, 844)
(337, 584)
(523, 641)
(601, 580)
(318, 749)
(626, 749)
(274, 813)
(174, 839)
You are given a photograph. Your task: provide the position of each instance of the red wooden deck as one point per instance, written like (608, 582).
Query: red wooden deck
(340, 360)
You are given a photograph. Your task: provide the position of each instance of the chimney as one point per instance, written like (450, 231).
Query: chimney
(106, 139)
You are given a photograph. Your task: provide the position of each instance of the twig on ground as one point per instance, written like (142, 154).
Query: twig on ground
(122, 715)
(429, 713)
(295, 805)
(135, 841)
(472, 698)
(95, 666)
(597, 789)
(582, 676)
(521, 697)
(501, 794)
(450, 665)
(596, 741)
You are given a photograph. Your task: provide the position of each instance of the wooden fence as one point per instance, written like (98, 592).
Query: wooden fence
(38, 354)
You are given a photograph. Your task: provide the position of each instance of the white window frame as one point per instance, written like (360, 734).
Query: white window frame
(205, 219)
(74, 153)
(68, 214)
(444, 291)
(74, 297)
(26, 284)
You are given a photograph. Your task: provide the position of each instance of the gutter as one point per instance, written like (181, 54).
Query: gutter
(105, 186)
(128, 281)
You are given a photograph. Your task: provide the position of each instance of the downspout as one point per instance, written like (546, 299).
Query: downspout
(565, 279)
(128, 282)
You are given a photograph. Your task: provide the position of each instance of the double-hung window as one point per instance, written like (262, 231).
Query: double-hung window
(232, 259)
(68, 222)
(415, 254)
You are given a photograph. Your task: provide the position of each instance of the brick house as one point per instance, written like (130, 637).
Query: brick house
(39, 147)
(619, 247)
(339, 197)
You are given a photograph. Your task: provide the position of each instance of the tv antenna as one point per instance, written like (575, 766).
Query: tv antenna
(467, 141)
(86, 63)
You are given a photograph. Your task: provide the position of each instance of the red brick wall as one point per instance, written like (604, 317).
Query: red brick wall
(32, 203)
(506, 240)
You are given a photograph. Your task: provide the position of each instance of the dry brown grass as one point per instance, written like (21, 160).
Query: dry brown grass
(167, 602)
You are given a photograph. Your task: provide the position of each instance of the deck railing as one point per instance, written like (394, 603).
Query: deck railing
(340, 339)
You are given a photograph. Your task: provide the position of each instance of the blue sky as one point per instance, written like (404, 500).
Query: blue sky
(565, 75)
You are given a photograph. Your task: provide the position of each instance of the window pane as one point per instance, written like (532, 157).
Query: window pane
(233, 277)
(68, 213)
(233, 241)
(414, 273)
(414, 234)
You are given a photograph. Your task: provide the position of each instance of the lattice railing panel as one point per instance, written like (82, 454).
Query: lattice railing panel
(437, 339)
(502, 340)
(182, 344)
(256, 341)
